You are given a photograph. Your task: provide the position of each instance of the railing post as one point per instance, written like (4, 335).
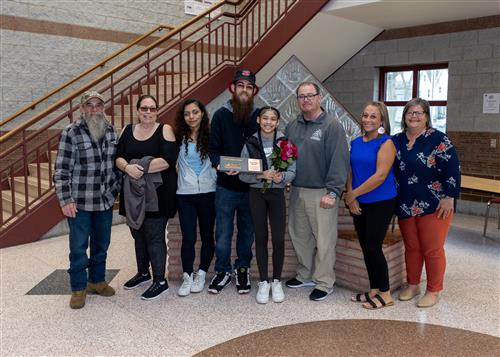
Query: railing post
(235, 36)
(112, 100)
(25, 172)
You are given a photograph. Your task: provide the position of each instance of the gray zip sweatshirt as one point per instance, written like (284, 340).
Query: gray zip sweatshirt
(323, 154)
(250, 178)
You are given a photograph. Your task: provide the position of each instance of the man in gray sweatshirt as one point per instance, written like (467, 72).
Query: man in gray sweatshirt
(322, 167)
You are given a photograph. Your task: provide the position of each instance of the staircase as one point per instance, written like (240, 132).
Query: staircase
(196, 59)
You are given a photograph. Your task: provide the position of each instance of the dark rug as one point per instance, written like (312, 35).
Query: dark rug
(57, 283)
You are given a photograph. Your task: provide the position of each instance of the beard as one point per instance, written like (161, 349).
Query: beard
(97, 126)
(242, 109)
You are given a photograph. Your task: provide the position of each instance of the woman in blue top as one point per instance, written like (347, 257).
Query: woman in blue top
(428, 176)
(195, 192)
(371, 198)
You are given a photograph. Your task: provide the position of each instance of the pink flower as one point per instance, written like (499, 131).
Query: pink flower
(431, 161)
(441, 147)
(415, 211)
(436, 186)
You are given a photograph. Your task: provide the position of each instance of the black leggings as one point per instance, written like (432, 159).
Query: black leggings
(150, 247)
(371, 227)
(270, 203)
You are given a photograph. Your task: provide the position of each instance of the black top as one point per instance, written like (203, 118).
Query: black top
(227, 139)
(130, 148)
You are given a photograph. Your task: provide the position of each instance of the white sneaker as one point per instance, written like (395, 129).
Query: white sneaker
(263, 293)
(187, 281)
(199, 281)
(277, 291)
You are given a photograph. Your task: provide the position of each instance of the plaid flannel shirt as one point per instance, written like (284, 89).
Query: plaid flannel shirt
(85, 173)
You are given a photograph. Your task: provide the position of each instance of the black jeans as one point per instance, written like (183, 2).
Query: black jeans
(270, 203)
(371, 227)
(199, 207)
(150, 246)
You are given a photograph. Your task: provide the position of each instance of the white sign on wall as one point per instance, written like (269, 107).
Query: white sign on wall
(196, 7)
(491, 103)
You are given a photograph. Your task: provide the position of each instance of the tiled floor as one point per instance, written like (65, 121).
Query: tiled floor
(126, 325)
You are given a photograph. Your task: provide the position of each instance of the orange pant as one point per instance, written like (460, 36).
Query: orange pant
(424, 239)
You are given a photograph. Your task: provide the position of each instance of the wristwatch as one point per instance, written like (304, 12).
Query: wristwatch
(332, 195)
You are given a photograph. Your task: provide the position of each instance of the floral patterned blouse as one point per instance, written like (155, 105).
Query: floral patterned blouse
(425, 173)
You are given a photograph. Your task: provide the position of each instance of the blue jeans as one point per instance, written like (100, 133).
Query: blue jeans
(96, 226)
(227, 203)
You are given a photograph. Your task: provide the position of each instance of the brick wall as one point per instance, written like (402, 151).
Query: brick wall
(349, 268)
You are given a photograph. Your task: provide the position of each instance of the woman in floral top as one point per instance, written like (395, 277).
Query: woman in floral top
(427, 172)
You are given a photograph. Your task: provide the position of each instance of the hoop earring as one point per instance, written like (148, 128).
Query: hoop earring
(381, 130)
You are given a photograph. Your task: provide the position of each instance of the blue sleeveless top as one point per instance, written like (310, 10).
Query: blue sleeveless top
(364, 165)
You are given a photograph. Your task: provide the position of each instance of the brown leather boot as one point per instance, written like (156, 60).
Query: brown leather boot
(77, 300)
(101, 288)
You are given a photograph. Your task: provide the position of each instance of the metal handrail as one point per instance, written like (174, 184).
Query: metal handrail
(150, 73)
(62, 101)
(83, 74)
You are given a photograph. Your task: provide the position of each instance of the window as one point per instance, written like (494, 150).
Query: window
(400, 84)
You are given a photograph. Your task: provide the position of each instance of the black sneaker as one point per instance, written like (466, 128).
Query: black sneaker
(136, 281)
(296, 283)
(219, 282)
(318, 295)
(155, 290)
(242, 275)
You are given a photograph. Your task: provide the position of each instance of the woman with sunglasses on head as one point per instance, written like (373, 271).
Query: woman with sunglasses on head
(427, 172)
(147, 154)
(371, 198)
(195, 193)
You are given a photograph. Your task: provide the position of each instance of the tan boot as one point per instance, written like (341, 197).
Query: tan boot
(77, 300)
(429, 299)
(408, 293)
(101, 288)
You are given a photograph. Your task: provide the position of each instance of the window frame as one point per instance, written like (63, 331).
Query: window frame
(415, 69)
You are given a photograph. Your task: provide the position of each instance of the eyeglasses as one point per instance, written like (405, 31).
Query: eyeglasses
(303, 97)
(148, 109)
(418, 114)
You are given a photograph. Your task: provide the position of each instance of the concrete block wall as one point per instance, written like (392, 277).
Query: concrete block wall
(32, 64)
(473, 59)
(474, 69)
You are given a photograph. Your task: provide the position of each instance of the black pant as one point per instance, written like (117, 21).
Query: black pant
(199, 207)
(270, 203)
(150, 246)
(371, 227)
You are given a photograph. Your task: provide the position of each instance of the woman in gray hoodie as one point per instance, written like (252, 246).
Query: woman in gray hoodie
(195, 192)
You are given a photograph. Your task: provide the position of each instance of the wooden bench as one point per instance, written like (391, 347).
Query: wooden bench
(486, 185)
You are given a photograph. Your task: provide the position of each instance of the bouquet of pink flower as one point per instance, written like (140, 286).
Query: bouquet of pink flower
(284, 154)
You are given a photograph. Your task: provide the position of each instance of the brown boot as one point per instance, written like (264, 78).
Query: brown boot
(78, 299)
(101, 288)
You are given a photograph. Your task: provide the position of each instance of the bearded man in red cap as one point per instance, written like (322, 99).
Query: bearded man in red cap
(231, 126)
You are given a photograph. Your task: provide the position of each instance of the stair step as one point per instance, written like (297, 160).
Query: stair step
(7, 201)
(32, 185)
(44, 170)
(53, 156)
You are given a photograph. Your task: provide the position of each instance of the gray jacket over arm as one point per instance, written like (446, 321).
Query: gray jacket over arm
(140, 195)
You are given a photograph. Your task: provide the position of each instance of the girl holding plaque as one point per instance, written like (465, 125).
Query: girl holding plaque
(267, 199)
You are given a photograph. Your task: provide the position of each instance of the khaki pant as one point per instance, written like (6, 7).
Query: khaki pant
(313, 231)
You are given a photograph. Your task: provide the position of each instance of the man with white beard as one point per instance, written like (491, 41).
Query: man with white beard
(87, 183)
